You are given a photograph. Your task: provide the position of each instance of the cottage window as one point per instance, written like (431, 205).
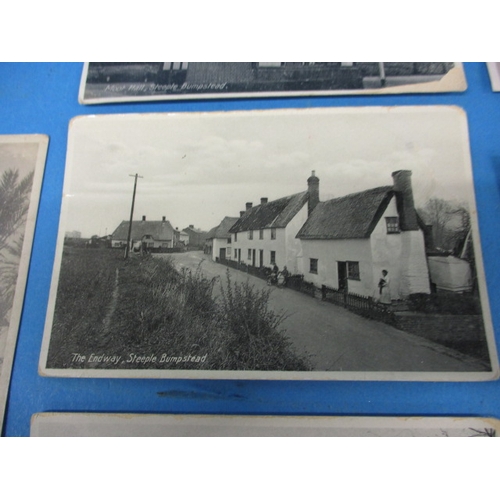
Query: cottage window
(353, 270)
(249, 254)
(273, 257)
(261, 234)
(229, 240)
(250, 234)
(235, 254)
(273, 233)
(313, 266)
(392, 225)
(235, 237)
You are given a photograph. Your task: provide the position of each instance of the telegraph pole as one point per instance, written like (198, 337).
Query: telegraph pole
(127, 249)
(381, 69)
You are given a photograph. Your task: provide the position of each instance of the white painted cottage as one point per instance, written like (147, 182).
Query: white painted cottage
(218, 240)
(346, 242)
(265, 235)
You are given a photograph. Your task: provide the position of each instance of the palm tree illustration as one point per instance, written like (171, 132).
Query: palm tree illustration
(14, 203)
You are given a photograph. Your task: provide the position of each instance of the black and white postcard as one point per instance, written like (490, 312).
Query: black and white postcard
(22, 162)
(334, 243)
(137, 425)
(141, 81)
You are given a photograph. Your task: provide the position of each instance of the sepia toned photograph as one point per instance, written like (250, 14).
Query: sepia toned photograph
(306, 244)
(22, 161)
(143, 425)
(137, 81)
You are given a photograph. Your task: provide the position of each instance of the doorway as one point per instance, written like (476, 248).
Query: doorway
(342, 275)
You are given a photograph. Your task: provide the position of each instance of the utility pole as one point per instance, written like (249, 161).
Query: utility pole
(381, 69)
(127, 249)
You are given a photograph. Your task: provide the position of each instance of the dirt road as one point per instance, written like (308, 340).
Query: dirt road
(338, 340)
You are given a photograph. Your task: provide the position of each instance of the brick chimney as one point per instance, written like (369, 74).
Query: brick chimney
(143, 218)
(248, 205)
(313, 190)
(404, 200)
(191, 226)
(164, 218)
(242, 213)
(263, 201)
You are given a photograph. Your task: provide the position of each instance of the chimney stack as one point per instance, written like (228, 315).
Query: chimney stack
(191, 226)
(242, 213)
(263, 201)
(163, 218)
(404, 200)
(143, 218)
(248, 205)
(313, 191)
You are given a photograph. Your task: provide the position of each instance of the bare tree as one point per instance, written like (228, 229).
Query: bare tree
(450, 223)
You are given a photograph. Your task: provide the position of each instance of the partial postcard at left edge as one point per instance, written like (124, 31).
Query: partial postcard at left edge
(22, 164)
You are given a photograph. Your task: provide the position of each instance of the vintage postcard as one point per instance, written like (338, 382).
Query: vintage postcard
(136, 425)
(22, 162)
(284, 244)
(146, 81)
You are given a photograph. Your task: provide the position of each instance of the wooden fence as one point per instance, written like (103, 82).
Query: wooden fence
(359, 304)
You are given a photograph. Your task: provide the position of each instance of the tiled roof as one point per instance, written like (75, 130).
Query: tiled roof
(159, 230)
(352, 216)
(272, 214)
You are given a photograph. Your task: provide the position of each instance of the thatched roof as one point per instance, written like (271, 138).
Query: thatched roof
(352, 216)
(273, 214)
(211, 234)
(157, 229)
(222, 230)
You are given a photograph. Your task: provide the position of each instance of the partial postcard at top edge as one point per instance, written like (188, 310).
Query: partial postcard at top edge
(313, 244)
(22, 163)
(149, 81)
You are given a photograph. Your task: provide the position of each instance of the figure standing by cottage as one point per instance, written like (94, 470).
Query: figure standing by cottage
(384, 288)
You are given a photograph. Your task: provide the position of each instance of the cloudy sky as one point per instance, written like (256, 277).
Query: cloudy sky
(200, 167)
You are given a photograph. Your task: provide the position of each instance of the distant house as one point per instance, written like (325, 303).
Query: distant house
(154, 234)
(196, 236)
(181, 238)
(348, 241)
(218, 239)
(265, 235)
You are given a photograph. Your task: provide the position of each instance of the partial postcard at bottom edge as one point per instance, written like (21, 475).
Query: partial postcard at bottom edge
(141, 425)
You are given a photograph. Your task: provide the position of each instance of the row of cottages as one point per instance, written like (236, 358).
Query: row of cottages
(218, 239)
(155, 234)
(344, 243)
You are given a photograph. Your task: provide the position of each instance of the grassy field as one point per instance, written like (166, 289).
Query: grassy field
(144, 314)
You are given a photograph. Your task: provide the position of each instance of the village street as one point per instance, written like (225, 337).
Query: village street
(336, 339)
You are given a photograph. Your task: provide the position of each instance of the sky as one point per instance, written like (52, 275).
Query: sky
(18, 156)
(197, 168)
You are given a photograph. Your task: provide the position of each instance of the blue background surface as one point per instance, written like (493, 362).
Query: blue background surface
(42, 98)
